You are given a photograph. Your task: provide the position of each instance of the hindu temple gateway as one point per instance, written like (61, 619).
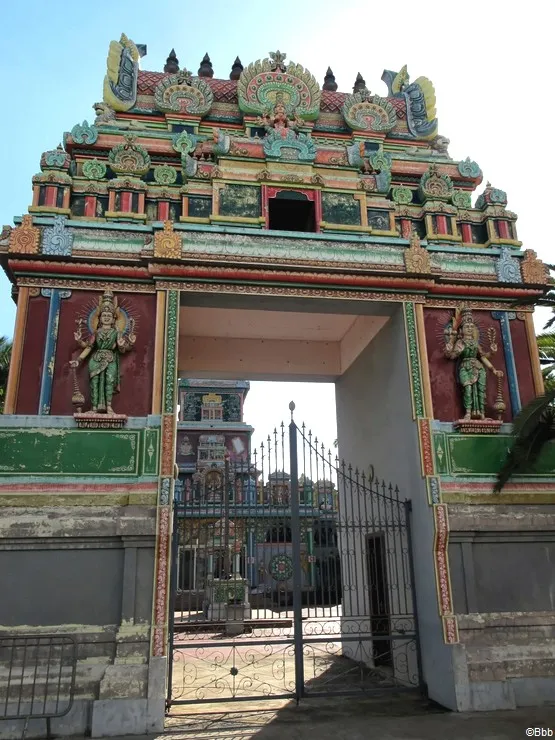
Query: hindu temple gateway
(266, 226)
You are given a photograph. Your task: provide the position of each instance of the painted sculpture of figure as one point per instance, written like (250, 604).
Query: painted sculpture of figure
(277, 119)
(112, 334)
(462, 343)
(186, 448)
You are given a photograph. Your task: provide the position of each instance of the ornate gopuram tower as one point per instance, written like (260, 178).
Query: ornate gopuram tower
(267, 226)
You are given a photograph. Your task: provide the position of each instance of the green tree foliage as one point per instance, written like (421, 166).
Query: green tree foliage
(534, 426)
(5, 356)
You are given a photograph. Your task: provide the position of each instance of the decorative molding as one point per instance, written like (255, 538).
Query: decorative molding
(363, 111)
(289, 146)
(25, 239)
(184, 94)
(413, 360)
(170, 380)
(168, 444)
(94, 169)
(56, 239)
(166, 483)
(426, 452)
(507, 267)
(417, 258)
(469, 168)
(129, 158)
(533, 269)
(443, 581)
(163, 542)
(167, 243)
(83, 133)
(165, 175)
(434, 185)
(433, 483)
(262, 81)
(80, 284)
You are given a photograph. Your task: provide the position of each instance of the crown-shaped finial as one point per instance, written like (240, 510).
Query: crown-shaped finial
(206, 69)
(329, 81)
(172, 63)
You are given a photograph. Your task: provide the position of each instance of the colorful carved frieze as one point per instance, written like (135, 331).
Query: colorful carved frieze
(263, 81)
(491, 197)
(57, 239)
(417, 258)
(25, 238)
(533, 269)
(129, 158)
(167, 243)
(435, 185)
(120, 82)
(83, 133)
(366, 112)
(420, 100)
(185, 94)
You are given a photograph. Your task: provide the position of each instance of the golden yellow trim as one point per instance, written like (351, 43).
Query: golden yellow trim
(159, 352)
(444, 238)
(534, 354)
(49, 209)
(496, 242)
(344, 227)
(238, 219)
(423, 354)
(193, 220)
(381, 232)
(17, 350)
(363, 200)
(126, 214)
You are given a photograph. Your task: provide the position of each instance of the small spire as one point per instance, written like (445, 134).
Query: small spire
(329, 81)
(236, 69)
(205, 69)
(172, 63)
(360, 84)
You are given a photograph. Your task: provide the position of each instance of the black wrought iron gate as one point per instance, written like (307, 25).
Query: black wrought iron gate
(291, 577)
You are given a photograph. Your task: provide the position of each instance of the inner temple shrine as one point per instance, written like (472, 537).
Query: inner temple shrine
(265, 225)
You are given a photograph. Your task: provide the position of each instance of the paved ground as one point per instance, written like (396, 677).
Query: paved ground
(343, 719)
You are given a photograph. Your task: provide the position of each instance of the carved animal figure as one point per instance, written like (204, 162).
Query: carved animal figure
(106, 116)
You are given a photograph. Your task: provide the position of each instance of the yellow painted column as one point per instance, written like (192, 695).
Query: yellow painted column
(17, 350)
(424, 367)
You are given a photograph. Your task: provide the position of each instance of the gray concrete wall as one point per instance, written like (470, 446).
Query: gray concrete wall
(375, 426)
(86, 572)
(497, 572)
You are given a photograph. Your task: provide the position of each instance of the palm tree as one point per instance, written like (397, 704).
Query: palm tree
(5, 355)
(534, 426)
(546, 347)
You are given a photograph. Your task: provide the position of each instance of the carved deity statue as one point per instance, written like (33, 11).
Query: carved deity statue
(277, 118)
(112, 334)
(186, 448)
(462, 343)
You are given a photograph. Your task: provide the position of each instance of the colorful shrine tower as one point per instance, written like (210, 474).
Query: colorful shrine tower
(271, 227)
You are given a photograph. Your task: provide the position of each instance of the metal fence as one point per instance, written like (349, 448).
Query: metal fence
(291, 577)
(37, 677)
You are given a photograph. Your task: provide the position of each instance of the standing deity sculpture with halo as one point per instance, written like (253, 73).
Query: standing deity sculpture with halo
(111, 333)
(462, 343)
